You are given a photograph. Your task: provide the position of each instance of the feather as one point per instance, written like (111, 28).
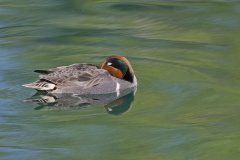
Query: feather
(43, 71)
(40, 85)
(82, 76)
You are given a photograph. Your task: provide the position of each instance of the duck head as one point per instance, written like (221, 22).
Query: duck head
(120, 67)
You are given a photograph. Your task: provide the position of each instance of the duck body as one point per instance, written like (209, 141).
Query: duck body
(114, 75)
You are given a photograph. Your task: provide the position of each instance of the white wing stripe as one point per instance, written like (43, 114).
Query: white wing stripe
(118, 89)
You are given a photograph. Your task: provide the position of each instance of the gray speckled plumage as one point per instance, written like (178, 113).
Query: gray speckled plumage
(79, 79)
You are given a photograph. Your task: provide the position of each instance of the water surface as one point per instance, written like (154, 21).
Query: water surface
(184, 53)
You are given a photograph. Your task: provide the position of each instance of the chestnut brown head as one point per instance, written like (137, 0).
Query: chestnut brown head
(119, 67)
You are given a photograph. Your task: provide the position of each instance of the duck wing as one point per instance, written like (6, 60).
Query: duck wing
(77, 74)
(73, 67)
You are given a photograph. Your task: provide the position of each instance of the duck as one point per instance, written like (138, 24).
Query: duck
(114, 75)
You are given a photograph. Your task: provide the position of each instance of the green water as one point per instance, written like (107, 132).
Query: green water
(186, 56)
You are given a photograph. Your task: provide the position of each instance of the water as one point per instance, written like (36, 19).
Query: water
(185, 55)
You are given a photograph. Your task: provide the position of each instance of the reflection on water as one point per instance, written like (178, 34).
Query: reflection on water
(113, 103)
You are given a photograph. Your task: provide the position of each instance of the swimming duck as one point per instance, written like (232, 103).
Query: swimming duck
(114, 75)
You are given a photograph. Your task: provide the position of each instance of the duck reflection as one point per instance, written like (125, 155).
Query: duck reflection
(114, 103)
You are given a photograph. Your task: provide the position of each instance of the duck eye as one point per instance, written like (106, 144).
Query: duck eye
(109, 63)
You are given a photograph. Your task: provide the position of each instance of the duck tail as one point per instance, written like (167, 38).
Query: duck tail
(41, 85)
